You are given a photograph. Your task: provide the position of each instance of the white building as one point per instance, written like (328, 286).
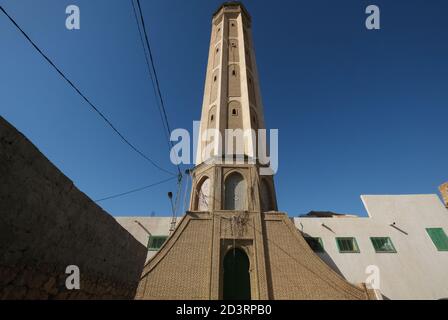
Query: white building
(405, 230)
(402, 245)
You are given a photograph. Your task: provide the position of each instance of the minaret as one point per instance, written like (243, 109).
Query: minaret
(232, 97)
(233, 243)
(232, 101)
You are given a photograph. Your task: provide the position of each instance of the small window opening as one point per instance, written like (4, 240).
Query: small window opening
(234, 112)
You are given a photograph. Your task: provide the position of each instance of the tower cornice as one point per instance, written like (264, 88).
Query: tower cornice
(233, 6)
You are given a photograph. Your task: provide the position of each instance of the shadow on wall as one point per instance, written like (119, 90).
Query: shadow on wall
(324, 256)
(47, 224)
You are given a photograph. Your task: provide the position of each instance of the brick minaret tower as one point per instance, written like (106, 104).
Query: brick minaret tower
(233, 243)
(232, 104)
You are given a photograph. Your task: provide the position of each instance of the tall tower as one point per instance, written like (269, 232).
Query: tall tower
(233, 243)
(231, 108)
(232, 97)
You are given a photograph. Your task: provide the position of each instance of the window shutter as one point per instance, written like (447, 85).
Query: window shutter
(439, 238)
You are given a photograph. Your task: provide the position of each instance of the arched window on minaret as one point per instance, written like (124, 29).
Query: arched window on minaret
(211, 117)
(233, 28)
(235, 192)
(234, 81)
(233, 51)
(211, 124)
(218, 33)
(216, 57)
(234, 118)
(203, 195)
(214, 89)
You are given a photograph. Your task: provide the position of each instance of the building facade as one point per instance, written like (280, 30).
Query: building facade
(398, 248)
(233, 243)
(401, 242)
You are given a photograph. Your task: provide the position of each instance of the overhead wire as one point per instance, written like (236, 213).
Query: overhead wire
(148, 66)
(134, 190)
(144, 38)
(153, 76)
(114, 128)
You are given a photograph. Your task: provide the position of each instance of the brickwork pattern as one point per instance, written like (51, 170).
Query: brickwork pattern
(296, 272)
(181, 269)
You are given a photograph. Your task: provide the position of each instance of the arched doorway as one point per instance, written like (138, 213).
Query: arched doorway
(235, 192)
(236, 275)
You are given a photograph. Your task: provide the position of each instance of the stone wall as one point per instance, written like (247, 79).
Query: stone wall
(46, 224)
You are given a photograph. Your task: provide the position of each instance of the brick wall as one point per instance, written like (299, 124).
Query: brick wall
(444, 192)
(46, 224)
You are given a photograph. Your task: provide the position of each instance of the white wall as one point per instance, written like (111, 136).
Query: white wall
(416, 271)
(157, 226)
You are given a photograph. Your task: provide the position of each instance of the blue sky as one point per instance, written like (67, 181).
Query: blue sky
(358, 111)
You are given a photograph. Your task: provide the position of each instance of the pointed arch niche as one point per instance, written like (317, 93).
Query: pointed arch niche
(202, 195)
(235, 192)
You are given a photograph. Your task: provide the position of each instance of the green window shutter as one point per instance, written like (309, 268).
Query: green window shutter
(155, 242)
(383, 244)
(439, 238)
(315, 243)
(347, 245)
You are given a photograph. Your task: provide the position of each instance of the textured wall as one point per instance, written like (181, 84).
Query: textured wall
(46, 224)
(234, 81)
(295, 272)
(215, 81)
(233, 51)
(181, 269)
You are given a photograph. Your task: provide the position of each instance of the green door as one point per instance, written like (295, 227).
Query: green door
(236, 275)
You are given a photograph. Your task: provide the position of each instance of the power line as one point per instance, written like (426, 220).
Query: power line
(135, 190)
(155, 80)
(161, 104)
(166, 131)
(188, 174)
(125, 140)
